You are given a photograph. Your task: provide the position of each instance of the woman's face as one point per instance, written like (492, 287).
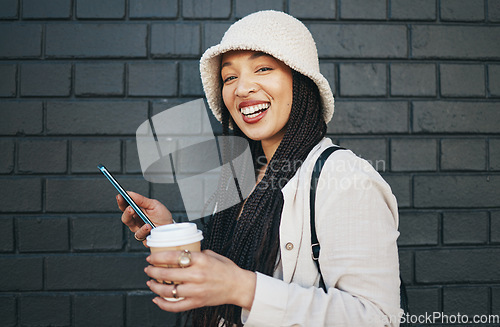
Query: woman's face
(258, 91)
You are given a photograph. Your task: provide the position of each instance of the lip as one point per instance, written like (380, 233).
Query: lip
(249, 103)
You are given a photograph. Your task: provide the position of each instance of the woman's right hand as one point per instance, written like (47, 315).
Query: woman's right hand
(154, 209)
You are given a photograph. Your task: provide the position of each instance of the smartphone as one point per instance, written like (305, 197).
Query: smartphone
(127, 198)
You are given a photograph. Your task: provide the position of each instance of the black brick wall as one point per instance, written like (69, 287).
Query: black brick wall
(417, 85)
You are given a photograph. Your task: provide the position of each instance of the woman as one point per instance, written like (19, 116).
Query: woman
(263, 83)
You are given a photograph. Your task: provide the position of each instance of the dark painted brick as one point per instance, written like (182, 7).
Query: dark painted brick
(373, 150)
(99, 79)
(7, 235)
(413, 79)
(465, 227)
(413, 9)
(190, 83)
(468, 191)
(363, 9)
(495, 154)
(45, 310)
(462, 80)
(45, 79)
(21, 117)
(418, 228)
(7, 158)
(169, 195)
(494, 10)
(99, 310)
(458, 265)
(466, 300)
(21, 273)
(360, 41)
(21, 195)
(42, 156)
(494, 79)
(88, 194)
(313, 9)
(495, 300)
(8, 312)
(100, 233)
(424, 300)
(328, 71)
(213, 32)
(413, 155)
(133, 245)
(369, 117)
(96, 40)
(47, 9)
(153, 8)
(455, 117)
(20, 41)
(206, 9)
(495, 227)
(132, 163)
(400, 186)
(42, 234)
(103, 118)
(430, 41)
(8, 9)
(363, 79)
(470, 10)
(463, 154)
(152, 79)
(175, 40)
(243, 7)
(87, 154)
(150, 315)
(97, 9)
(8, 80)
(406, 266)
(95, 272)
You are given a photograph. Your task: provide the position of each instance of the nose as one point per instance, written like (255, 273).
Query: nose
(245, 86)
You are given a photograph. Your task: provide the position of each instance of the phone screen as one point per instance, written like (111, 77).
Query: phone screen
(127, 198)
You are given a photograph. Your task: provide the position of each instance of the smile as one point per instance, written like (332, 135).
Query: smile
(254, 111)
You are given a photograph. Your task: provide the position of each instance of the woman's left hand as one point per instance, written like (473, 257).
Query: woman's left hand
(210, 280)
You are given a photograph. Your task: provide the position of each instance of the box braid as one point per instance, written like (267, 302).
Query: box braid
(252, 239)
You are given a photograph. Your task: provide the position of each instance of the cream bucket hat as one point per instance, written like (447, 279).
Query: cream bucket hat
(277, 34)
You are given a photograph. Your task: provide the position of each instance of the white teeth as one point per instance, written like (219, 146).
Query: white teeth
(251, 111)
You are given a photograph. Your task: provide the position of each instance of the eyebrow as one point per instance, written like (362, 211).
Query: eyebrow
(252, 57)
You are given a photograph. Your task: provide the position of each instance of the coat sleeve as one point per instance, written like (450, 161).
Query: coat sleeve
(356, 222)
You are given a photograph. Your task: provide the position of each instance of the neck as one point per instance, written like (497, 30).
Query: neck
(271, 145)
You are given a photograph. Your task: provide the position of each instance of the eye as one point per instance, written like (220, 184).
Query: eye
(228, 79)
(264, 69)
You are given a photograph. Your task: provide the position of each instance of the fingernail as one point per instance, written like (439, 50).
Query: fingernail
(148, 259)
(155, 301)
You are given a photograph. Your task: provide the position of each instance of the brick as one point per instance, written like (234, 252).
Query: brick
(169, 195)
(152, 79)
(21, 118)
(400, 186)
(175, 40)
(462, 80)
(373, 150)
(206, 9)
(95, 118)
(463, 154)
(363, 9)
(494, 10)
(100, 233)
(87, 194)
(243, 7)
(213, 32)
(413, 80)
(314, 9)
(406, 265)
(153, 8)
(413, 9)
(8, 312)
(494, 154)
(42, 156)
(21, 195)
(21, 273)
(495, 300)
(329, 72)
(7, 235)
(87, 154)
(369, 118)
(20, 41)
(96, 40)
(422, 157)
(466, 300)
(418, 228)
(45, 310)
(465, 228)
(494, 80)
(360, 41)
(42, 234)
(455, 117)
(190, 83)
(96, 9)
(45, 79)
(495, 227)
(424, 300)
(363, 80)
(96, 272)
(468, 191)
(96, 310)
(132, 163)
(8, 85)
(99, 79)
(150, 315)
(469, 10)
(8, 9)
(457, 265)
(48, 9)
(7, 158)
(446, 42)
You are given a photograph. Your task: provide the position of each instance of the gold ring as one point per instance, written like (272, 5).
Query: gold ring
(184, 259)
(174, 291)
(139, 239)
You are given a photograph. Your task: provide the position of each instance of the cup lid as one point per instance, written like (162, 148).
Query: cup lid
(174, 235)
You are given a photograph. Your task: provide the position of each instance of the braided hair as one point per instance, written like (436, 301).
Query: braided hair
(248, 233)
